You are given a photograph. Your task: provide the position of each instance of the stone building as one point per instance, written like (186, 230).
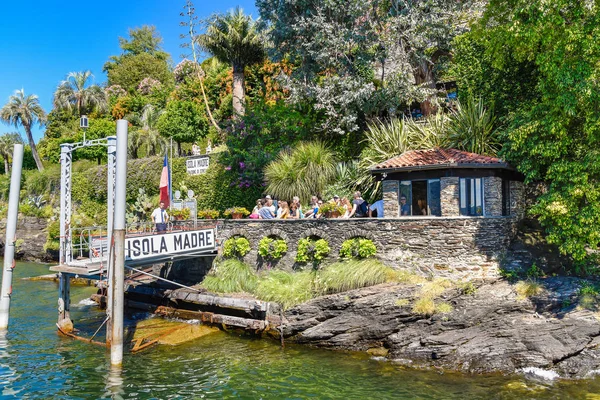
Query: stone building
(447, 183)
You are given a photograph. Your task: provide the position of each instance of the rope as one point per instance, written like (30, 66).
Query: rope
(162, 279)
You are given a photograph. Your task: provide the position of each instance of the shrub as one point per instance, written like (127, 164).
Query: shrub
(181, 215)
(236, 247)
(272, 249)
(285, 288)
(230, 276)
(348, 275)
(424, 306)
(313, 251)
(358, 248)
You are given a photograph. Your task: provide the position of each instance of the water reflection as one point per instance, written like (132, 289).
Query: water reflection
(7, 374)
(114, 383)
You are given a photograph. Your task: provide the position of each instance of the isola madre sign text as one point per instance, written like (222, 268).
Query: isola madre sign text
(137, 248)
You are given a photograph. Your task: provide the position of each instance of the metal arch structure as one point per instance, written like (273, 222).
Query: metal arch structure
(66, 164)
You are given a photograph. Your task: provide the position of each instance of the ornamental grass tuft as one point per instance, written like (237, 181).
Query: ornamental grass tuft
(352, 274)
(286, 288)
(230, 276)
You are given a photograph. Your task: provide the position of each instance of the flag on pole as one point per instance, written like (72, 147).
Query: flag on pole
(165, 180)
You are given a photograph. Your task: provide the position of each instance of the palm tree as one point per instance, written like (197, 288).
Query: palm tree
(26, 111)
(304, 171)
(234, 39)
(148, 137)
(7, 142)
(73, 93)
(155, 143)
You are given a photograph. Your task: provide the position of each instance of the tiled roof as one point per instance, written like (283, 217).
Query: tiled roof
(439, 158)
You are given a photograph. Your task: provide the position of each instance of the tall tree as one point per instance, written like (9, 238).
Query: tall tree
(233, 38)
(72, 93)
(26, 111)
(7, 142)
(550, 110)
(142, 57)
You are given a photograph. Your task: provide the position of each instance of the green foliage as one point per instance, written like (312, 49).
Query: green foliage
(272, 249)
(468, 288)
(534, 272)
(551, 126)
(53, 236)
(472, 128)
(304, 171)
(352, 274)
(258, 137)
(184, 121)
(43, 182)
(133, 69)
(286, 288)
(588, 288)
(313, 251)
(236, 247)
(230, 276)
(99, 129)
(358, 248)
(141, 209)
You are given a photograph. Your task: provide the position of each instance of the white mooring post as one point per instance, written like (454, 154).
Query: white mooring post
(11, 230)
(110, 198)
(117, 285)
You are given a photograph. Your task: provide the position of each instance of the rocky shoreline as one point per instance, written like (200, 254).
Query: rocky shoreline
(491, 330)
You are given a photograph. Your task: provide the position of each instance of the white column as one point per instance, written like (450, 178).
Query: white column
(11, 230)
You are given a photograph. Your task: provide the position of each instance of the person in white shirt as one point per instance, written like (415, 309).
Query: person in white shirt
(160, 218)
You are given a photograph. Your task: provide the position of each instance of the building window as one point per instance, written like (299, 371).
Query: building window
(505, 197)
(420, 197)
(471, 196)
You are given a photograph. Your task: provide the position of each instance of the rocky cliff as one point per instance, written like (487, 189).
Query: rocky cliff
(490, 330)
(31, 237)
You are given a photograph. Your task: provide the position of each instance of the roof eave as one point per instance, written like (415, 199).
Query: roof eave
(442, 166)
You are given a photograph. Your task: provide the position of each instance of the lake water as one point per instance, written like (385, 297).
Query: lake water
(37, 363)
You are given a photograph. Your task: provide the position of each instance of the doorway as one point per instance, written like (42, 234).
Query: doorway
(419, 197)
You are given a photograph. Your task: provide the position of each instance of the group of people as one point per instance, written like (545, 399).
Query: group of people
(267, 208)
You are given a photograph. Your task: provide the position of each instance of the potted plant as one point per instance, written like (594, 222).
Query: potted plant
(180, 215)
(332, 210)
(236, 212)
(208, 214)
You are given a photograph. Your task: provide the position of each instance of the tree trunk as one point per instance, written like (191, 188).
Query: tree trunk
(6, 165)
(210, 116)
(238, 90)
(36, 157)
(424, 76)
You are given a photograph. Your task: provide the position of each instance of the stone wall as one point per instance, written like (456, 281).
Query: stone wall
(492, 195)
(391, 207)
(449, 196)
(456, 247)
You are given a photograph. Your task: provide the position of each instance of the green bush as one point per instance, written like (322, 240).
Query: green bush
(230, 276)
(357, 248)
(236, 247)
(313, 251)
(272, 249)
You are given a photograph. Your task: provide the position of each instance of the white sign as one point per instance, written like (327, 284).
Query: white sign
(137, 248)
(197, 165)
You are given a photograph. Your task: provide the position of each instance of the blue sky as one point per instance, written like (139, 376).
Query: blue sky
(43, 40)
